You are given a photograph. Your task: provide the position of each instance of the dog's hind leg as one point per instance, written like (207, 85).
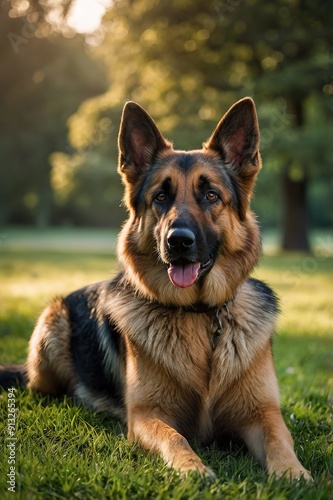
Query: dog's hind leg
(49, 366)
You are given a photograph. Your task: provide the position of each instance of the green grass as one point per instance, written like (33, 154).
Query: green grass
(64, 451)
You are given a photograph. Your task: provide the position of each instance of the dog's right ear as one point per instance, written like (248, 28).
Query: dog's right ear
(139, 142)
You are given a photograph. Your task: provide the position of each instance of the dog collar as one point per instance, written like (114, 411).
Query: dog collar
(199, 308)
(217, 325)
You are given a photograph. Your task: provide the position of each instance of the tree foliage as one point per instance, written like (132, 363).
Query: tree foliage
(43, 81)
(186, 64)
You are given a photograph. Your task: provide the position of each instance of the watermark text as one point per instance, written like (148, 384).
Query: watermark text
(11, 440)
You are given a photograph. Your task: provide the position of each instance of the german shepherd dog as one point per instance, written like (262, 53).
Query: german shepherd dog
(179, 344)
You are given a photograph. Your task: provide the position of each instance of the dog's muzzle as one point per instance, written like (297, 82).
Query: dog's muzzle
(184, 268)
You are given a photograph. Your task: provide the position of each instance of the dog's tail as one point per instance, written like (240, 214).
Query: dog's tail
(13, 376)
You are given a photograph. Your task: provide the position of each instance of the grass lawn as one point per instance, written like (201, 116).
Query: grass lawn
(64, 451)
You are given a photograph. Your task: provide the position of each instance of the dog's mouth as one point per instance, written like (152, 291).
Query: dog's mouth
(183, 273)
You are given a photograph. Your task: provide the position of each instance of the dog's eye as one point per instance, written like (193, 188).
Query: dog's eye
(211, 196)
(160, 197)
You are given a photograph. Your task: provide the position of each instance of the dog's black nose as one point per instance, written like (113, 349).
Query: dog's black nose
(180, 238)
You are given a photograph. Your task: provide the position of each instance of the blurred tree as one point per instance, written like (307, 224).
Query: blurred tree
(44, 79)
(85, 181)
(187, 64)
(296, 63)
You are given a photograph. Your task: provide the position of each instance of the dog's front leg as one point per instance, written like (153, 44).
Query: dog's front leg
(270, 441)
(157, 436)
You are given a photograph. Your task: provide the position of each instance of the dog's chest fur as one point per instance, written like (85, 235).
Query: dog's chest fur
(180, 365)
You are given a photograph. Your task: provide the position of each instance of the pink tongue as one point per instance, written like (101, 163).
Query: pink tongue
(183, 275)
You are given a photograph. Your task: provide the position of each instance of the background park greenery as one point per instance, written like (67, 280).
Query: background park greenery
(62, 95)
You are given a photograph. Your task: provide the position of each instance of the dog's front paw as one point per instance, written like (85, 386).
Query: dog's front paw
(187, 463)
(203, 472)
(297, 473)
(209, 474)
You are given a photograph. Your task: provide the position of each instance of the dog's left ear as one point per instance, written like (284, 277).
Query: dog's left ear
(236, 140)
(139, 142)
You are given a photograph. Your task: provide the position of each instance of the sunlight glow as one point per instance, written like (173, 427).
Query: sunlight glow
(85, 15)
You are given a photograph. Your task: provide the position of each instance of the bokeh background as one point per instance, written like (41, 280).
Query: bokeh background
(68, 66)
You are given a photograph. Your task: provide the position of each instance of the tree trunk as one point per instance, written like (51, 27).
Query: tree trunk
(43, 214)
(295, 216)
(295, 223)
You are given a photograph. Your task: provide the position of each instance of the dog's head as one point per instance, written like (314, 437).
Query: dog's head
(190, 236)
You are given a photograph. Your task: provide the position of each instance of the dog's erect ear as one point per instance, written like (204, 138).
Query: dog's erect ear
(139, 142)
(236, 136)
(236, 140)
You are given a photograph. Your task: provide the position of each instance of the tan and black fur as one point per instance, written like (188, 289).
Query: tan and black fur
(178, 345)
